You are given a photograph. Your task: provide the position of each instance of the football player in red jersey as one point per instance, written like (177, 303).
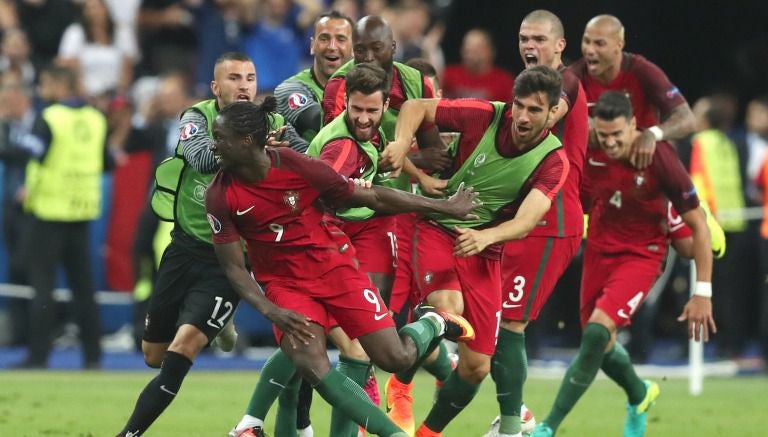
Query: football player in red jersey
(660, 109)
(275, 199)
(625, 249)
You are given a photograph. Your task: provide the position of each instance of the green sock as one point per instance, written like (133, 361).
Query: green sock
(275, 376)
(455, 392)
(580, 373)
(440, 368)
(618, 367)
(509, 368)
(285, 423)
(358, 371)
(344, 394)
(425, 334)
(406, 376)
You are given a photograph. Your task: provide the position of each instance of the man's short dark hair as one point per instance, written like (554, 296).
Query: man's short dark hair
(233, 56)
(539, 79)
(367, 79)
(612, 105)
(334, 15)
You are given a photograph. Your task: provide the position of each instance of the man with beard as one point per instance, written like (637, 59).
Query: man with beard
(518, 167)
(531, 267)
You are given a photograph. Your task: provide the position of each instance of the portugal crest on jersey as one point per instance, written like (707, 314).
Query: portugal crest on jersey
(291, 199)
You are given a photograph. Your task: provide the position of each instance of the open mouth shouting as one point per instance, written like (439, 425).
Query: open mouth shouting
(531, 60)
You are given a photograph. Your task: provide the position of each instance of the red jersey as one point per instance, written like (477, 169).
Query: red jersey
(346, 158)
(653, 96)
(565, 218)
(628, 212)
(280, 217)
(335, 95)
(494, 85)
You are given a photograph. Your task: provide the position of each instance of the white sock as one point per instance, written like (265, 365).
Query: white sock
(519, 434)
(438, 319)
(307, 432)
(249, 421)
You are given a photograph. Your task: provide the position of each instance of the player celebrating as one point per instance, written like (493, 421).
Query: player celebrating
(625, 249)
(271, 197)
(605, 66)
(299, 96)
(298, 100)
(531, 267)
(519, 167)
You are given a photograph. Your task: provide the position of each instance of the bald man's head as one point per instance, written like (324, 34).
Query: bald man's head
(373, 42)
(602, 45)
(609, 23)
(541, 40)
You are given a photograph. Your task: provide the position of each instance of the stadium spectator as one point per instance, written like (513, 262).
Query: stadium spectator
(285, 243)
(715, 171)
(477, 76)
(626, 245)
(103, 52)
(167, 38)
(505, 150)
(15, 56)
(275, 30)
(757, 140)
(531, 267)
(45, 22)
(17, 117)
(63, 196)
(660, 108)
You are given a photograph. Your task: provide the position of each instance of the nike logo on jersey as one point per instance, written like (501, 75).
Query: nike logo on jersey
(162, 387)
(510, 305)
(597, 163)
(238, 212)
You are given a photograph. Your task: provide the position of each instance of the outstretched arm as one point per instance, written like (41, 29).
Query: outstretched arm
(293, 324)
(680, 123)
(389, 201)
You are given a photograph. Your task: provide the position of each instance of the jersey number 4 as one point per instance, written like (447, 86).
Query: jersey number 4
(615, 199)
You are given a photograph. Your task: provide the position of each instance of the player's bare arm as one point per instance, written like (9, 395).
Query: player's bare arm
(412, 114)
(386, 200)
(680, 123)
(472, 241)
(698, 310)
(293, 324)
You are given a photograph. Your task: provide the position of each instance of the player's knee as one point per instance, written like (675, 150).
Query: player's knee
(152, 359)
(448, 301)
(311, 368)
(475, 372)
(393, 360)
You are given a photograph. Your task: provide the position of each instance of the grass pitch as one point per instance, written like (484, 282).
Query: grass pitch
(97, 404)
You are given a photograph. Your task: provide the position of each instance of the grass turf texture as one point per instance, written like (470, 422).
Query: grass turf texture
(210, 403)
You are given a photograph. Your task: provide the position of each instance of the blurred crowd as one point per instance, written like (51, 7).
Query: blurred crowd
(142, 62)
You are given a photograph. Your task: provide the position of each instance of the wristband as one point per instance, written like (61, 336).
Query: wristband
(657, 132)
(703, 289)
